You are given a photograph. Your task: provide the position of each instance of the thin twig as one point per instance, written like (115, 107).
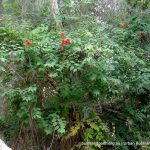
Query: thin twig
(111, 110)
(52, 140)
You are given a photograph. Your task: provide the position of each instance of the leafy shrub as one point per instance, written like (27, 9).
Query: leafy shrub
(59, 85)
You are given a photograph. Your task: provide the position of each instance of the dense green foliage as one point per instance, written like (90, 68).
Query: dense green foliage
(144, 4)
(98, 67)
(93, 88)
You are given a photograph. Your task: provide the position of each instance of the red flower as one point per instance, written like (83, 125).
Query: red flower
(28, 42)
(65, 41)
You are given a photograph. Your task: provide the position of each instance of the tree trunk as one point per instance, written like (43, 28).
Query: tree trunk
(55, 13)
(1, 6)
